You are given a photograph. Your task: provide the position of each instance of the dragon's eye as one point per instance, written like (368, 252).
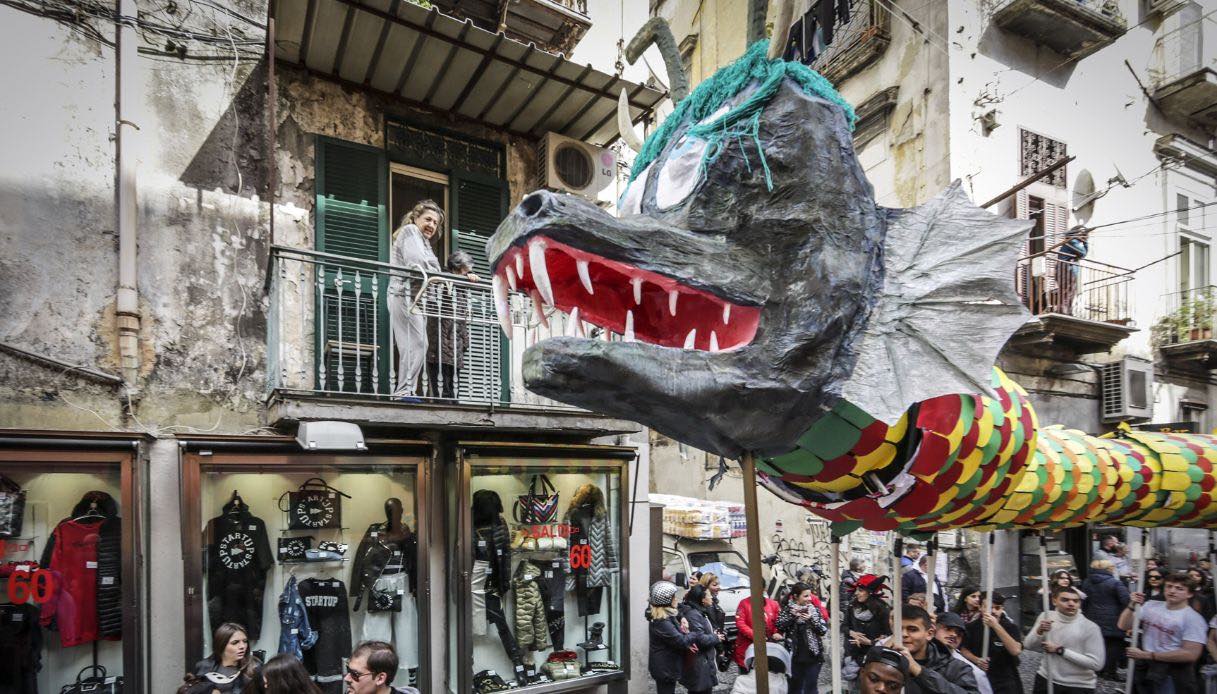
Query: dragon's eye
(631, 199)
(681, 172)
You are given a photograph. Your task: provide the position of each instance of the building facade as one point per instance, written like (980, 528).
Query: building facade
(207, 354)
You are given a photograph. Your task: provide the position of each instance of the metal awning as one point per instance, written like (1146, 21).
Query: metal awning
(429, 59)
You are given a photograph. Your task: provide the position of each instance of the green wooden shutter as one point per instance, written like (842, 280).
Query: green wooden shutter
(479, 204)
(352, 221)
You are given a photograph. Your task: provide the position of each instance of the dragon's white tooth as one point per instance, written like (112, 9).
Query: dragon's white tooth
(637, 283)
(713, 341)
(511, 278)
(574, 326)
(628, 336)
(581, 266)
(520, 265)
(501, 304)
(691, 338)
(672, 294)
(538, 308)
(540, 273)
(726, 313)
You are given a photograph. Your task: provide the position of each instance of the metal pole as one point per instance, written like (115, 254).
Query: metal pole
(1044, 600)
(984, 645)
(834, 599)
(897, 598)
(1139, 574)
(756, 577)
(931, 571)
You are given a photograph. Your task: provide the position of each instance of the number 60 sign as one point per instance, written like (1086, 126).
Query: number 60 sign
(38, 586)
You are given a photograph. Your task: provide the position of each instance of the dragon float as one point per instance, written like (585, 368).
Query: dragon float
(767, 305)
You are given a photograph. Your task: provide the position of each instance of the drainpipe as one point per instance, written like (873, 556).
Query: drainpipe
(125, 93)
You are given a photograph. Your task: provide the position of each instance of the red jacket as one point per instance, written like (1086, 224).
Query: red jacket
(743, 622)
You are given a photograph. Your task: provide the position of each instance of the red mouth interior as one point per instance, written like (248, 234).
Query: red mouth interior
(718, 323)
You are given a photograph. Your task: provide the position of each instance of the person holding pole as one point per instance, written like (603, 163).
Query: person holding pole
(1072, 646)
(932, 668)
(1173, 638)
(1001, 669)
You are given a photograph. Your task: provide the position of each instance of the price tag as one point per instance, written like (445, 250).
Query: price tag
(18, 617)
(107, 580)
(401, 592)
(549, 574)
(482, 544)
(22, 567)
(90, 565)
(295, 631)
(375, 535)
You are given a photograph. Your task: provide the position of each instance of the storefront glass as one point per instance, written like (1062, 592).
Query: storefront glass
(62, 575)
(313, 560)
(546, 564)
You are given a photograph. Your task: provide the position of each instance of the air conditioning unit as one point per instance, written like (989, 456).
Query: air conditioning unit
(568, 165)
(1127, 387)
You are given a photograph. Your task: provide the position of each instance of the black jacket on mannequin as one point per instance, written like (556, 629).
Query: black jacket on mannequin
(492, 539)
(238, 557)
(373, 555)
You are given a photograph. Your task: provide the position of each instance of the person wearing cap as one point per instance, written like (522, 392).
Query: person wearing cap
(670, 638)
(866, 618)
(779, 667)
(1005, 646)
(1072, 645)
(884, 671)
(949, 630)
(932, 666)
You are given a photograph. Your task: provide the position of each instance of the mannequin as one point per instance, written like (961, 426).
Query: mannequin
(386, 563)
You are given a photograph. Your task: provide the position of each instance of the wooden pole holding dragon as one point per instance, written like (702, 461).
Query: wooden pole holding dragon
(770, 310)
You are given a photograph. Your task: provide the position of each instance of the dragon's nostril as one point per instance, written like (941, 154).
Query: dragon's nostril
(531, 205)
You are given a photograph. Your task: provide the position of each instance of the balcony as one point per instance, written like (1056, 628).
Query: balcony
(1183, 336)
(332, 353)
(1078, 307)
(1072, 28)
(1183, 80)
(856, 42)
(555, 26)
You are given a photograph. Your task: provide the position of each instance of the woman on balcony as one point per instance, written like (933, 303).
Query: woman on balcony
(412, 250)
(1068, 268)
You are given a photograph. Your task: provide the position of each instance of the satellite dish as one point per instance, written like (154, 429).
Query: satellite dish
(1084, 196)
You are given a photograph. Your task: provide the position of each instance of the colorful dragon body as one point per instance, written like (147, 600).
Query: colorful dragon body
(972, 461)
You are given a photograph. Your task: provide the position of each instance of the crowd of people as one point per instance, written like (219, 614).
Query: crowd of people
(233, 669)
(973, 648)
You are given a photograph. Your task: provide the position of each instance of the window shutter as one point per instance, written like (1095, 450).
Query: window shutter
(1022, 205)
(478, 207)
(351, 221)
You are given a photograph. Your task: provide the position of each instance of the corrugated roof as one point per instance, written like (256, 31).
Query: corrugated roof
(429, 59)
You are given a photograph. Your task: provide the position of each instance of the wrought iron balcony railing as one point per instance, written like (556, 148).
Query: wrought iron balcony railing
(1189, 316)
(330, 332)
(1085, 289)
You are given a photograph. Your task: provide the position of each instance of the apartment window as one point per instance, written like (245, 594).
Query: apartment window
(1182, 210)
(1193, 263)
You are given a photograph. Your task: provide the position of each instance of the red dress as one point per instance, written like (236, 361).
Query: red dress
(74, 559)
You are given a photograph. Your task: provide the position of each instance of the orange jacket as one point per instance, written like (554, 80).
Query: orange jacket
(743, 622)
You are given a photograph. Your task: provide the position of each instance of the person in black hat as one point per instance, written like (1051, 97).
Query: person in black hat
(949, 630)
(867, 617)
(883, 672)
(932, 668)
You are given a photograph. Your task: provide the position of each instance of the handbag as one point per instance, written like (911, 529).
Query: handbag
(294, 548)
(96, 683)
(488, 681)
(380, 600)
(540, 505)
(314, 505)
(12, 507)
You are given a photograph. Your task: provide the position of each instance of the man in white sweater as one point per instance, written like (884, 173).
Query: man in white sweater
(1072, 645)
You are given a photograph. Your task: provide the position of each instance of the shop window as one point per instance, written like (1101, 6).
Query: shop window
(67, 576)
(337, 537)
(546, 553)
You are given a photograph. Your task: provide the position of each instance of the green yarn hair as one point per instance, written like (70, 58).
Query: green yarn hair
(744, 119)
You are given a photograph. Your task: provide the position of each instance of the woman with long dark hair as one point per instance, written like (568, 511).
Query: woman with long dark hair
(700, 672)
(968, 604)
(804, 625)
(231, 666)
(866, 619)
(283, 674)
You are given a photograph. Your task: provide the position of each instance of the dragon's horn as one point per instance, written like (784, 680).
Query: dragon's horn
(781, 29)
(628, 134)
(657, 31)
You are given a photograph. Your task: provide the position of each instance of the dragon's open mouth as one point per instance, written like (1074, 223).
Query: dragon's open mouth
(634, 303)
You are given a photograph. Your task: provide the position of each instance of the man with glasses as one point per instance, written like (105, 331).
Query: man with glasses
(371, 668)
(1072, 646)
(1173, 638)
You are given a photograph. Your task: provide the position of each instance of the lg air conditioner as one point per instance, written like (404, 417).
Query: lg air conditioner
(1127, 388)
(570, 166)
